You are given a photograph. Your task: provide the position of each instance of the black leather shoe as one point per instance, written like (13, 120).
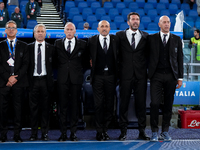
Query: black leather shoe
(33, 137)
(122, 136)
(143, 136)
(106, 136)
(17, 138)
(99, 136)
(45, 137)
(73, 137)
(3, 138)
(63, 137)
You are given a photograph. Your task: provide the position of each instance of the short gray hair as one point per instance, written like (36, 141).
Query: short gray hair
(70, 23)
(39, 25)
(10, 21)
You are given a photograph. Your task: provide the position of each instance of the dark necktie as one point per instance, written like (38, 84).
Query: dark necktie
(105, 46)
(11, 67)
(11, 46)
(39, 64)
(133, 41)
(69, 47)
(164, 40)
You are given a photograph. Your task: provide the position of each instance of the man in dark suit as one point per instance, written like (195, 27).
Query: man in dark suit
(165, 73)
(40, 75)
(14, 59)
(103, 53)
(133, 74)
(70, 77)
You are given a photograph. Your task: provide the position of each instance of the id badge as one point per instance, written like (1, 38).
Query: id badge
(32, 10)
(1, 18)
(10, 61)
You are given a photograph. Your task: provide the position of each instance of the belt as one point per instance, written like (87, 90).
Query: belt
(39, 77)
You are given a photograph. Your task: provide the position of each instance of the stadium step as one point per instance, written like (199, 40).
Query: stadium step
(49, 16)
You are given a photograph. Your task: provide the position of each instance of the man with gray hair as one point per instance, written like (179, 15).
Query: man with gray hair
(70, 52)
(103, 53)
(40, 75)
(86, 26)
(17, 17)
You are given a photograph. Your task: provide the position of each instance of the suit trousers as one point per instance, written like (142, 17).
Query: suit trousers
(69, 99)
(139, 86)
(103, 91)
(39, 104)
(16, 95)
(161, 84)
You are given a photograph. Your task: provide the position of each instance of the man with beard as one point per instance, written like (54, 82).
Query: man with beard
(165, 74)
(133, 74)
(103, 52)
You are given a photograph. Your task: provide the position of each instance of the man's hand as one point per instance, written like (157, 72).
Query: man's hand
(91, 62)
(179, 84)
(28, 16)
(12, 80)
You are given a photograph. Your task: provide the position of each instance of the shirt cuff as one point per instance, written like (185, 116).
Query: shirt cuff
(180, 79)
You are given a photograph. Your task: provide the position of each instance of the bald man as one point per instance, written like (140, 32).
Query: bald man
(17, 17)
(103, 53)
(70, 52)
(165, 74)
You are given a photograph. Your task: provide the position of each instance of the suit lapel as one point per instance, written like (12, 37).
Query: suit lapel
(171, 44)
(141, 40)
(63, 48)
(46, 55)
(114, 45)
(76, 47)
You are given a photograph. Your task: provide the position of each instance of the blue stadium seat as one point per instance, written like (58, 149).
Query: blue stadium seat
(125, 12)
(152, 13)
(193, 14)
(118, 20)
(166, 2)
(86, 12)
(123, 26)
(186, 8)
(197, 24)
(140, 12)
(31, 24)
(133, 6)
(173, 9)
(90, 19)
(80, 26)
(140, 3)
(106, 17)
(156, 20)
(77, 2)
(188, 19)
(76, 19)
(160, 6)
(24, 15)
(11, 9)
(113, 26)
(147, 7)
(95, 25)
(68, 5)
(99, 13)
(89, 2)
(194, 6)
(165, 12)
(141, 27)
(173, 21)
(191, 23)
(72, 12)
(145, 20)
(154, 2)
(82, 5)
(113, 12)
(127, 2)
(120, 6)
(107, 6)
(152, 26)
(115, 2)
(95, 5)
(22, 3)
(177, 2)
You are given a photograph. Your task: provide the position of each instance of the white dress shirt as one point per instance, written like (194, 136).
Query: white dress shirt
(137, 36)
(162, 36)
(101, 40)
(42, 47)
(13, 43)
(73, 42)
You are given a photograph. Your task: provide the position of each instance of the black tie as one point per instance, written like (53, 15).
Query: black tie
(69, 47)
(105, 46)
(133, 41)
(11, 46)
(11, 67)
(164, 40)
(39, 65)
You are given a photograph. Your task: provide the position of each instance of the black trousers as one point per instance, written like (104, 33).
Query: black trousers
(162, 84)
(69, 99)
(6, 93)
(103, 91)
(139, 87)
(39, 105)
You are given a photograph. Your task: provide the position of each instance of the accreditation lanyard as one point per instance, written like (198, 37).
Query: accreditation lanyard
(12, 53)
(1, 12)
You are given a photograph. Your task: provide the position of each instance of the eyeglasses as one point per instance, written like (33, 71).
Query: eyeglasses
(11, 28)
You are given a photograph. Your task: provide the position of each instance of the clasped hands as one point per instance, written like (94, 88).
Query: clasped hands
(12, 80)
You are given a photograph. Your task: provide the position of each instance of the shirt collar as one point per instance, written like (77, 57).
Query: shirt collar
(11, 40)
(40, 43)
(162, 34)
(72, 40)
(131, 31)
(101, 37)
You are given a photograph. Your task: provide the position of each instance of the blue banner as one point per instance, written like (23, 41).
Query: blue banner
(188, 94)
(57, 34)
